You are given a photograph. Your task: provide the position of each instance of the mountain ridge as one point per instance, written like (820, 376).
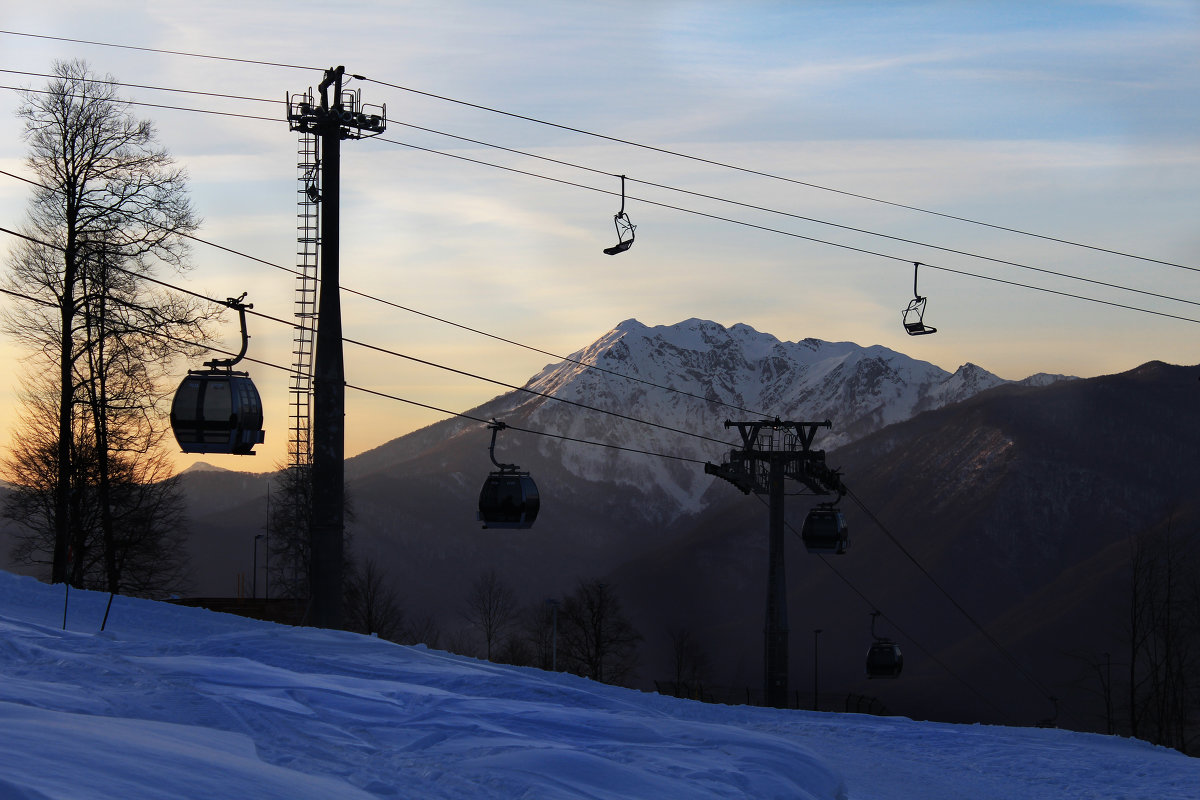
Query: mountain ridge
(713, 373)
(710, 372)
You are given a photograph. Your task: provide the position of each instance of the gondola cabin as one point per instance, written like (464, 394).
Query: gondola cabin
(508, 500)
(884, 660)
(825, 531)
(217, 411)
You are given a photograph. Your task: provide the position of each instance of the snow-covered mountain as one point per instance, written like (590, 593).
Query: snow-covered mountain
(690, 377)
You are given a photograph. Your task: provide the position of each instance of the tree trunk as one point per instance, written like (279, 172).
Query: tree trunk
(66, 398)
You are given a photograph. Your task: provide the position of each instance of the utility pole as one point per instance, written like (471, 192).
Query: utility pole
(553, 603)
(773, 450)
(332, 120)
(816, 669)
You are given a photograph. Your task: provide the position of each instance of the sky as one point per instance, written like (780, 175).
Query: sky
(175, 702)
(1078, 121)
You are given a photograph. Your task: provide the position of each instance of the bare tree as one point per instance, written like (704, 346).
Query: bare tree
(691, 661)
(108, 206)
(1164, 638)
(422, 630)
(491, 609)
(290, 529)
(372, 604)
(596, 639)
(142, 550)
(290, 522)
(540, 629)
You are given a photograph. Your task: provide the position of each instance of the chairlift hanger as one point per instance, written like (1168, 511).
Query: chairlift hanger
(916, 306)
(624, 226)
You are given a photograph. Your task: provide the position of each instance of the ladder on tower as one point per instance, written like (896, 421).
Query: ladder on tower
(308, 244)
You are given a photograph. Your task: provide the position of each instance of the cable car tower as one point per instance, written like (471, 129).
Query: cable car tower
(338, 114)
(773, 451)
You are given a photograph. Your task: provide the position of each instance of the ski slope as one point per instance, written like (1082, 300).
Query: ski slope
(174, 702)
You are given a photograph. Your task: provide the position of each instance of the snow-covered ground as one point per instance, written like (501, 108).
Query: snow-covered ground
(173, 702)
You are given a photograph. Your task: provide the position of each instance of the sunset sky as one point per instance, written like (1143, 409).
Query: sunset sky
(1073, 120)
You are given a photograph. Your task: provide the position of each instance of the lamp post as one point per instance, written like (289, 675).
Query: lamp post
(553, 634)
(816, 663)
(254, 574)
(267, 548)
(1108, 707)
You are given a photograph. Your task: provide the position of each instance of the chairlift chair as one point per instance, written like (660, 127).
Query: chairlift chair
(509, 498)
(825, 530)
(624, 226)
(219, 410)
(914, 314)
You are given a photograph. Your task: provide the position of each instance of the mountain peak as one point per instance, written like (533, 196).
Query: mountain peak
(203, 466)
(630, 325)
(706, 373)
(695, 374)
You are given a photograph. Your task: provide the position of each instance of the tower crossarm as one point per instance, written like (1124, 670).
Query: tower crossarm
(352, 119)
(784, 446)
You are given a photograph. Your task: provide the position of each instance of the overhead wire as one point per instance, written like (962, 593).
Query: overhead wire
(160, 50)
(773, 176)
(559, 436)
(1012, 660)
(447, 412)
(666, 187)
(857, 500)
(535, 392)
(907, 637)
(160, 105)
(532, 431)
(835, 244)
(427, 406)
(788, 214)
(477, 331)
(29, 297)
(394, 353)
(627, 142)
(954, 602)
(903, 634)
(548, 434)
(566, 359)
(110, 82)
(861, 250)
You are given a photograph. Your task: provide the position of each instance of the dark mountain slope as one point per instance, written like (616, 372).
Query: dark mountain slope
(1031, 481)
(1018, 503)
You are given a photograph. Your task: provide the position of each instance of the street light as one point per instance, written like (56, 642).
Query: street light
(254, 574)
(816, 634)
(554, 634)
(1108, 705)
(267, 548)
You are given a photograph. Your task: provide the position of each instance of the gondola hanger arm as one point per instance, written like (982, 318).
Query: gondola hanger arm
(235, 303)
(496, 426)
